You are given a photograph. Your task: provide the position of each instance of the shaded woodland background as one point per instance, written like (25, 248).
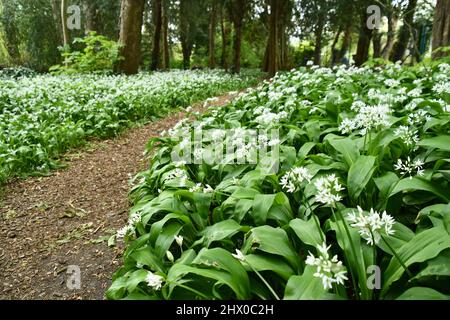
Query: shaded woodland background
(231, 34)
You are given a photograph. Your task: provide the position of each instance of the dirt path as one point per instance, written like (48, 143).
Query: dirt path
(49, 224)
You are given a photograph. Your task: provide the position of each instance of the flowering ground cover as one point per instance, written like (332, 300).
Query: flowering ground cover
(43, 116)
(355, 205)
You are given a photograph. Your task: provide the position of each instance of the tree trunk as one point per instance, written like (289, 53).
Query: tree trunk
(319, 39)
(212, 35)
(365, 36)
(441, 28)
(157, 18)
(345, 44)
(271, 57)
(186, 43)
(65, 30)
(334, 53)
(132, 13)
(166, 49)
(225, 40)
(237, 10)
(392, 26)
(90, 13)
(56, 13)
(285, 14)
(376, 42)
(401, 44)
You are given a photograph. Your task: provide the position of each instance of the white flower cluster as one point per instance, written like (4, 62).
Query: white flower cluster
(368, 118)
(200, 188)
(328, 270)
(370, 226)
(133, 220)
(154, 281)
(418, 117)
(328, 189)
(408, 136)
(177, 174)
(409, 167)
(293, 179)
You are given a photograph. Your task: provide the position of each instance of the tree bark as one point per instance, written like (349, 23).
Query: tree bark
(365, 36)
(157, 18)
(166, 49)
(401, 44)
(225, 39)
(319, 39)
(376, 42)
(334, 53)
(90, 10)
(441, 28)
(237, 10)
(345, 44)
(132, 13)
(392, 26)
(185, 37)
(65, 30)
(212, 35)
(271, 57)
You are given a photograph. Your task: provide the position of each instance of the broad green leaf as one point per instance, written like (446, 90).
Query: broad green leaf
(262, 262)
(345, 146)
(221, 230)
(439, 142)
(305, 287)
(359, 175)
(274, 241)
(261, 206)
(422, 293)
(308, 231)
(415, 183)
(424, 246)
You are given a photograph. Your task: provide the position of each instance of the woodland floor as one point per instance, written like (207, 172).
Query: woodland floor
(50, 223)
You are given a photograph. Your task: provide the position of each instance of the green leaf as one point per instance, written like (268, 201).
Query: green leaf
(221, 230)
(261, 206)
(262, 262)
(359, 175)
(345, 146)
(415, 183)
(424, 246)
(308, 231)
(422, 293)
(274, 241)
(305, 287)
(439, 266)
(439, 142)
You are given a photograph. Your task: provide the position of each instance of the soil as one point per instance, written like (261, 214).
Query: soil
(51, 226)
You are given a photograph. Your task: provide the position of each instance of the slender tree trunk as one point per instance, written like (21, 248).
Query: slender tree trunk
(319, 39)
(212, 35)
(90, 14)
(166, 49)
(157, 18)
(237, 10)
(345, 44)
(66, 39)
(271, 63)
(237, 43)
(365, 36)
(401, 44)
(392, 26)
(285, 13)
(56, 13)
(225, 40)
(185, 37)
(376, 42)
(132, 13)
(334, 53)
(441, 28)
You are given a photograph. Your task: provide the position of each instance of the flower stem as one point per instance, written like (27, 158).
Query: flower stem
(397, 257)
(266, 283)
(341, 217)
